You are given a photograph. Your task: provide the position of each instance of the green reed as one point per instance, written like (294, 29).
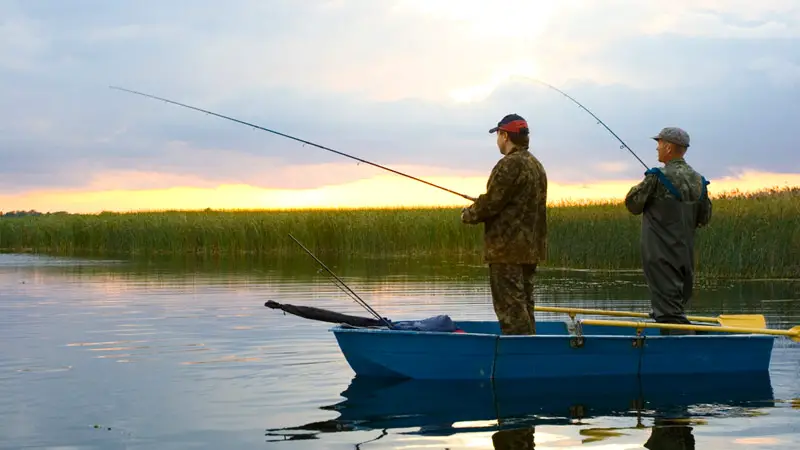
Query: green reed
(751, 235)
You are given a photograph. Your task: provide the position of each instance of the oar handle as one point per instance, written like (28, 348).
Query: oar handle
(599, 312)
(793, 333)
(735, 320)
(605, 312)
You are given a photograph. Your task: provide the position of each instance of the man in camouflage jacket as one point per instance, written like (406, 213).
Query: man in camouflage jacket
(674, 203)
(513, 211)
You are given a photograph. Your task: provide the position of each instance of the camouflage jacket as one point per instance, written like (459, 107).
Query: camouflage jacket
(513, 210)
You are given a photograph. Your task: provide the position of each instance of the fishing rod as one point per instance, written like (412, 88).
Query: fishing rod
(624, 145)
(349, 291)
(296, 139)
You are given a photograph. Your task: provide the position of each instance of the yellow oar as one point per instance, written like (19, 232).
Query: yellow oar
(793, 333)
(726, 320)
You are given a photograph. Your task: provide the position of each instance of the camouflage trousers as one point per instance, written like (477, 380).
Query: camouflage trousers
(512, 296)
(515, 439)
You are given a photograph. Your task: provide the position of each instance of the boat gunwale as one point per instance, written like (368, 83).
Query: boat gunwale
(350, 329)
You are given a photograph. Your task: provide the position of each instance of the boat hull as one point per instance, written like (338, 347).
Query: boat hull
(482, 353)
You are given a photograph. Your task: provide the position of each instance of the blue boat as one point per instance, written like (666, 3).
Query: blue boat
(438, 348)
(480, 352)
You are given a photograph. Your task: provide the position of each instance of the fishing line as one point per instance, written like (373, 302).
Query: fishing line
(624, 145)
(352, 294)
(296, 139)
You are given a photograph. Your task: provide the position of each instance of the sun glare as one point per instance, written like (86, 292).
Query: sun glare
(516, 19)
(511, 30)
(481, 91)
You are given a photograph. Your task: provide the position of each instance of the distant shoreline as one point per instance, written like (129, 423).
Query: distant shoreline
(752, 235)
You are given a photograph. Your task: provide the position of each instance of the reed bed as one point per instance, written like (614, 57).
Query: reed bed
(751, 235)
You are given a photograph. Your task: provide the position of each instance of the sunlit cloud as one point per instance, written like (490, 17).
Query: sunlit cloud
(409, 84)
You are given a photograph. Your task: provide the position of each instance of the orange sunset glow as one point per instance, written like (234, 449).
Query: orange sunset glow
(376, 191)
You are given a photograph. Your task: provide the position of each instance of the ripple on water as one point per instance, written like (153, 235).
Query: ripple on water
(184, 360)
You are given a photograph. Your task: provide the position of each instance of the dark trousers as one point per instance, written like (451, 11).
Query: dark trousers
(512, 296)
(670, 291)
(514, 439)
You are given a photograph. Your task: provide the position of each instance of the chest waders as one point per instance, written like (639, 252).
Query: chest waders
(667, 246)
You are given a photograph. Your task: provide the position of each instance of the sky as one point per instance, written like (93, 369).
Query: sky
(409, 84)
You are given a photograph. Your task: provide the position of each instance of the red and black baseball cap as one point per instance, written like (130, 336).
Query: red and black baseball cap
(512, 123)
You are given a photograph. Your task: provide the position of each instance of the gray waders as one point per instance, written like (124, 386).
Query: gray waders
(668, 232)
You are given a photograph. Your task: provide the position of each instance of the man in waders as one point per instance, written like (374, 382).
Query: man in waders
(674, 202)
(513, 211)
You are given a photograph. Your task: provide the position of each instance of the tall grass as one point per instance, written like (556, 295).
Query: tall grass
(751, 235)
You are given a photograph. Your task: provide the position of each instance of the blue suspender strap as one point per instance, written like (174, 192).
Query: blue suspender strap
(705, 191)
(665, 181)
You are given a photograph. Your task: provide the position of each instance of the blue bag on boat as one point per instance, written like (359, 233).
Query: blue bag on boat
(435, 323)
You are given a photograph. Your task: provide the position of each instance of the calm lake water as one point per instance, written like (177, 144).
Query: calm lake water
(180, 355)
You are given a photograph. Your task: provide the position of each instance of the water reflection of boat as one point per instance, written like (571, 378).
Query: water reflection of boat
(444, 408)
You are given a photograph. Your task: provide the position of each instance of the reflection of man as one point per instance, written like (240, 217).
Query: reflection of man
(518, 439)
(665, 436)
(674, 202)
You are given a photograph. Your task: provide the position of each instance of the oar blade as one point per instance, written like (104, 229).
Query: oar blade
(743, 320)
(794, 333)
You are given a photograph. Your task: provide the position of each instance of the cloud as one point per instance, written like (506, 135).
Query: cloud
(406, 83)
